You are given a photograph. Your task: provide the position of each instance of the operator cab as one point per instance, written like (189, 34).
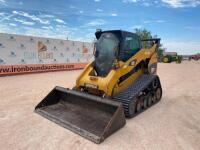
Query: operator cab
(114, 45)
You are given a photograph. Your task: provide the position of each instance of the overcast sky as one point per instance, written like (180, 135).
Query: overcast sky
(176, 22)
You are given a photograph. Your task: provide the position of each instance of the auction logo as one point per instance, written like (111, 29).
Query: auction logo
(85, 49)
(42, 51)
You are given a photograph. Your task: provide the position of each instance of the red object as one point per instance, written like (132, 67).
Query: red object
(6, 70)
(195, 57)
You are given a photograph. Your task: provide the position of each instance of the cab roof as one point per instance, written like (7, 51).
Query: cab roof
(119, 33)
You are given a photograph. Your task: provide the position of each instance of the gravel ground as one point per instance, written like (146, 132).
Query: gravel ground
(172, 124)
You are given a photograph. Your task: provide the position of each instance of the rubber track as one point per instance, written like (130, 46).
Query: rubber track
(132, 92)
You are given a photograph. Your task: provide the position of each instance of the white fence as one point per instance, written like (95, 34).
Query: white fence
(19, 50)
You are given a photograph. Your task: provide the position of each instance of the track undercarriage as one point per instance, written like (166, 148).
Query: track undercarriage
(142, 94)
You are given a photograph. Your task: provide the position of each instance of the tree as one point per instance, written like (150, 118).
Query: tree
(144, 33)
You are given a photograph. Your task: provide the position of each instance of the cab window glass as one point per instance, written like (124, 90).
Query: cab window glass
(131, 44)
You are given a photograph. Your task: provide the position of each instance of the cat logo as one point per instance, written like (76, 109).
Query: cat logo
(41, 47)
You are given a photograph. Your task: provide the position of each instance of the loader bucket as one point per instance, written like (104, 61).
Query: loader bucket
(87, 115)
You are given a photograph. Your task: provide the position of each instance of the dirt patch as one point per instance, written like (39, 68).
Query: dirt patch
(171, 124)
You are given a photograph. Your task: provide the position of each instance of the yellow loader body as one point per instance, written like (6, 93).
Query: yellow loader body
(120, 82)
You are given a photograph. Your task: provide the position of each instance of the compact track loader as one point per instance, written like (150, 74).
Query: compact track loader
(120, 82)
